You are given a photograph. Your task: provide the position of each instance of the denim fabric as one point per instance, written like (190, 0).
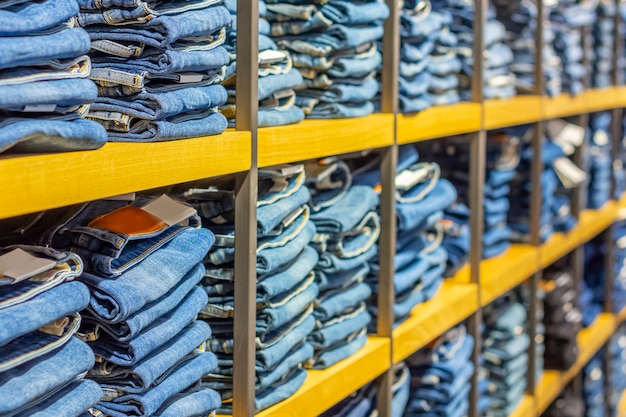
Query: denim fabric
(71, 401)
(63, 94)
(26, 19)
(131, 352)
(45, 308)
(114, 300)
(412, 216)
(328, 357)
(145, 404)
(29, 383)
(196, 403)
(118, 380)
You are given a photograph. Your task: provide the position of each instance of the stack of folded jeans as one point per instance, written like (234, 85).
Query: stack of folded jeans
(41, 363)
(598, 160)
(566, 19)
(334, 46)
(286, 287)
(362, 403)
(456, 236)
(593, 387)
(420, 261)
(156, 64)
(617, 352)
(143, 263)
(499, 81)
(603, 45)
(428, 61)
(44, 88)
(277, 77)
(505, 349)
(520, 19)
(440, 376)
(562, 320)
(348, 227)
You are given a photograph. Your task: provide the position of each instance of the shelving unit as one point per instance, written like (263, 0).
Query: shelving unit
(38, 182)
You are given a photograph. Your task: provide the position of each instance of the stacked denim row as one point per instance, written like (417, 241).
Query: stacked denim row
(566, 18)
(520, 19)
(347, 230)
(142, 266)
(45, 92)
(334, 45)
(156, 65)
(42, 364)
(593, 388)
(362, 403)
(429, 67)
(598, 160)
(601, 55)
(617, 352)
(420, 261)
(562, 320)
(555, 211)
(286, 287)
(277, 76)
(440, 376)
(505, 350)
(499, 81)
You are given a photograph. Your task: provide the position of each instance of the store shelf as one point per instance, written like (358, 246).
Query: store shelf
(323, 389)
(621, 407)
(318, 138)
(507, 271)
(439, 121)
(525, 408)
(452, 304)
(589, 101)
(512, 112)
(590, 340)
(590, 224)
(38, 182)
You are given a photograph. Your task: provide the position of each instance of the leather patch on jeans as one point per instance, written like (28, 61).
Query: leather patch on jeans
(128, 220)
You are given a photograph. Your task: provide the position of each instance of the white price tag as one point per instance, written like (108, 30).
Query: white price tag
(170, 211)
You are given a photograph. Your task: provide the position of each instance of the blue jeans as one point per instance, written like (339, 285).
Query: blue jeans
(71, 401)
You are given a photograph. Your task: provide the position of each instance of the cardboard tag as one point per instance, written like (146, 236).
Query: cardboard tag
(169, 211)
(39, 108)
(568, 136)
(288, 221)
(284, 170)
(189, 78)
(569, 174)
(284, 94)
(19, 265)
(601, 138)
(57, 327)
(122, 197)
(408, 179)
(270, 56)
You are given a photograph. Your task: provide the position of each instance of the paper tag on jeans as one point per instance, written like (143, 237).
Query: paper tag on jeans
(186, 78)
(601, 138)
(568, 136)
(284, 170)
(569, 174)
(39, 108)
(270, 56)
(408, 179)
(19, 265)
(169, 211)
(122, 197)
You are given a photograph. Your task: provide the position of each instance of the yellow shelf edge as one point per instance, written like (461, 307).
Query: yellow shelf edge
(526, 407)
(439, 121)
(514, 111)
(320, 138)
(457, 301)
(590, 340)
(323, 389)
(621, 407)
(31, 183)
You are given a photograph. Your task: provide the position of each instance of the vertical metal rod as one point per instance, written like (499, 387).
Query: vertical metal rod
(587, 44)
(609, 268)
(616, 144)
(389, 162)
(541, 20)
(533, 283)
(474, 324)
(536, 197)
(480, 21)
(391, 59)
(245, 212)
(618, 45)
(607, 370)
(387, 245)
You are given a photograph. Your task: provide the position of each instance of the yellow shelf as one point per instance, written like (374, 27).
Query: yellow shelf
(512, 112)
(590, 340)
(591, 224)
(38, 182)
(318, 138)
(621, 407)
(526, 407)
(587, 102)
(452, 304)
(505, 272)
(323, 389)
(439, 121)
